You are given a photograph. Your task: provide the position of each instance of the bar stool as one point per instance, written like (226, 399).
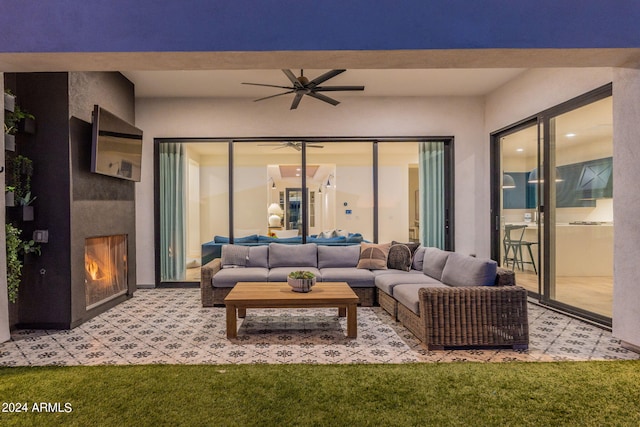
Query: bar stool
(513, 243)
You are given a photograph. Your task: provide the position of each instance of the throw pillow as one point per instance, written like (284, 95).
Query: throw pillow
(413, 246)
(399, 257)
(234, 256)
(374, 256)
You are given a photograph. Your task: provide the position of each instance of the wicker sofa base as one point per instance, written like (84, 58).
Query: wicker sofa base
(388, 303)
(215, 297)
(466, 317)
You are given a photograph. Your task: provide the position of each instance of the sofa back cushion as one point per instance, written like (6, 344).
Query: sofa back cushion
(434, 261)
(464, 270)
(258, 256)
(283, 255)
(234, 256)
(418, 259)
(338, 256)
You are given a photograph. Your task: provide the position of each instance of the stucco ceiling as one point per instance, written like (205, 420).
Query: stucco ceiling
(389, 82)
(439, 72)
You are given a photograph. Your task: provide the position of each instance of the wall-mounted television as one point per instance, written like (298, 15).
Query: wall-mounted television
(117, 146)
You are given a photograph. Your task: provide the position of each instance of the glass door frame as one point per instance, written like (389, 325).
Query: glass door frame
(546, 231)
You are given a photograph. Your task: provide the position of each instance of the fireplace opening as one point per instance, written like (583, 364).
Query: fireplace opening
(105, 262)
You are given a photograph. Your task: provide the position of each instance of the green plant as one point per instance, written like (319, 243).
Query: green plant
(27, 199)
(21, 172)
(16, 247)
(14, 265)
(9, 188)
(11, 119)
(301, 275)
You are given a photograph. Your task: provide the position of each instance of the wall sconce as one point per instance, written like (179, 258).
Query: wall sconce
(507, 181)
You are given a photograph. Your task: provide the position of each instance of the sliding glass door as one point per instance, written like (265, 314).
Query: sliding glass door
(552, 204)
(256, 191)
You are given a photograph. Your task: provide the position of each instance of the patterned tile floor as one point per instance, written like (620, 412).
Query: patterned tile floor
(168, 326)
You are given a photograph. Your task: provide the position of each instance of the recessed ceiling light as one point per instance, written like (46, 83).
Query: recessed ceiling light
(570, 135)
(519, 150)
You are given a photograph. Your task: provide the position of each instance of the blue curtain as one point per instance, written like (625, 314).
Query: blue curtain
(172, 212)
(431, 176)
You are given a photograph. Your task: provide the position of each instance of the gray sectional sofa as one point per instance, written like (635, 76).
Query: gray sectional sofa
(444, 298)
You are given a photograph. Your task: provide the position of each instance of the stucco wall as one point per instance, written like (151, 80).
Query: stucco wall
(355, 116)
(626, 205)
(544, 88)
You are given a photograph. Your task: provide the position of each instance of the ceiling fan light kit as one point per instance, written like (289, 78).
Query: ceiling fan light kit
(301, 86)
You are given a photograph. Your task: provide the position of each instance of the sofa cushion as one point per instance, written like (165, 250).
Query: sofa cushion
(338, 256)
(464, 270)
(399, 257)
(228, 278)
(279, 274)
(417, 263)
(434, 261)
(387, 282)
(355, 277)
(258, 256)
(407, 294)
(374, 256)
(283, 255)
(234, 256)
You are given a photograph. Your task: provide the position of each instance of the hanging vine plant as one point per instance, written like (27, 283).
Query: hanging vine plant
(15, 248)
(14, 265)
(22, 171)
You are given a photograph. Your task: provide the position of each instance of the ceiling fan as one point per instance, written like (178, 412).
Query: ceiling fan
(296, 145)
(303, 86)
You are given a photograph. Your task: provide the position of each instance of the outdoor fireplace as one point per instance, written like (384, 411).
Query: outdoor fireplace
(105, 261)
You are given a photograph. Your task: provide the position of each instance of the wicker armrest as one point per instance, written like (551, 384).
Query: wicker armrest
(475, 316)
(207, 272)
(505, 277)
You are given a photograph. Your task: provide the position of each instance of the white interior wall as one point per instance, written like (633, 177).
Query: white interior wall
(461, 117)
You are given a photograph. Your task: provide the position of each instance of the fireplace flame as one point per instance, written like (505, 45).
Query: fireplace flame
(92, 267)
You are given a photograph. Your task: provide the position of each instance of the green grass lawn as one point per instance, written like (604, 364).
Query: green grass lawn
(513, 394)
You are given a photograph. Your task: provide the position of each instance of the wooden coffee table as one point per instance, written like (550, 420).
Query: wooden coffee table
(279, 295)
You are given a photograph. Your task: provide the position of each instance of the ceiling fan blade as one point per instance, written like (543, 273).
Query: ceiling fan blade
(292, 77)
(265, 85)
(315, 146)
(323, 78)
(336, 88)
(296, 101)
(273, 96)
(324, 98)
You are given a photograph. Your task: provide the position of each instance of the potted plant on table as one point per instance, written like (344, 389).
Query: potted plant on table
(301, 281)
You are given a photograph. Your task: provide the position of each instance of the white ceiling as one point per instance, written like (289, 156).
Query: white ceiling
(379, 82)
